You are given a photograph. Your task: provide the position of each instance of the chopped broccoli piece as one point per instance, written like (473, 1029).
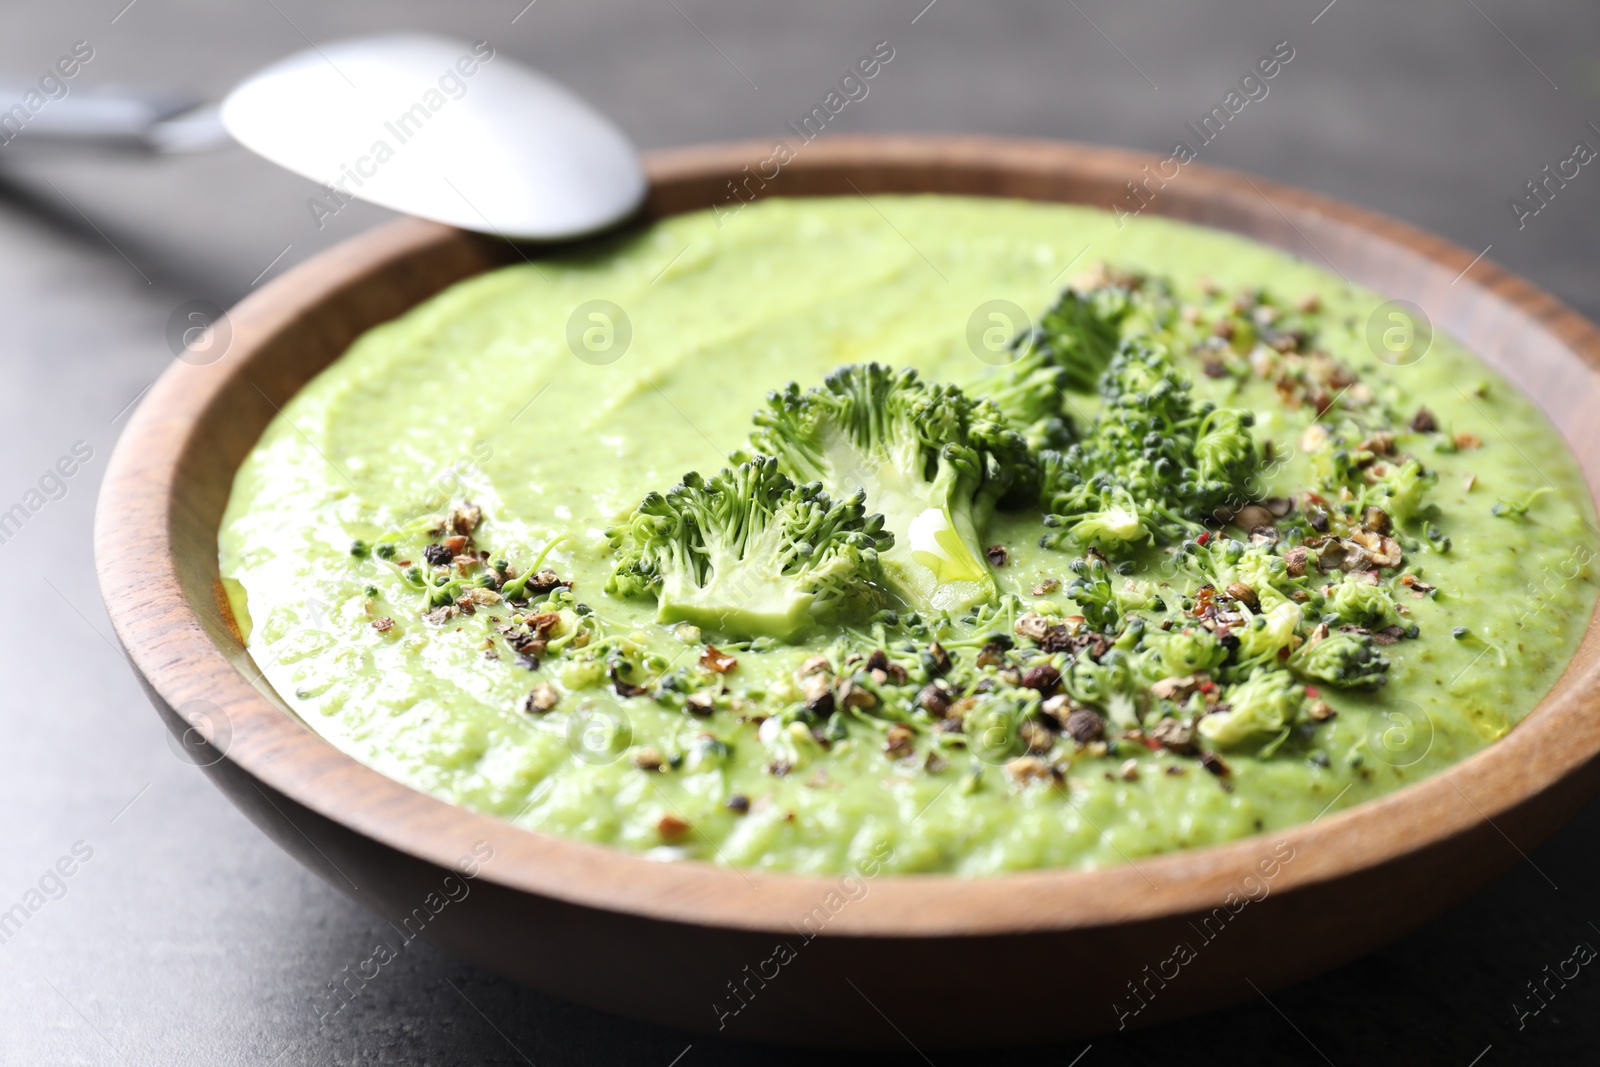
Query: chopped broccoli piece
(1116, 522)
(1192, 650)
(1154, 466)
(1113, 683)
(990, 724)
(1264, 637)
(1091, 591)
(1518, 509)
(1224, 451)
(750, 552)
(1264, 703)
(1265, 572)
(1359, 602)
(1224, 562)
(1342, 659)
(1398, 486)
(934, 461)
(1401, 490)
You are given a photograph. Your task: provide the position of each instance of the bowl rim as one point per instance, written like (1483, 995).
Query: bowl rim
(170, 649)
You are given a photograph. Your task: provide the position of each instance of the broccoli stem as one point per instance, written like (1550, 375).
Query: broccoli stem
(736, 596)
(514, 589)
(936, 565)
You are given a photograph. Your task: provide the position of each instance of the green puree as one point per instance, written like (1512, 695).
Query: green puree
(476, 395)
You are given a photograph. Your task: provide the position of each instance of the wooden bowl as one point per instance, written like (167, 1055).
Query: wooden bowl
(933, 960)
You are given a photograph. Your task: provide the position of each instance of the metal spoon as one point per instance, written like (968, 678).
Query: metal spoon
(443, 129)
(429, 126)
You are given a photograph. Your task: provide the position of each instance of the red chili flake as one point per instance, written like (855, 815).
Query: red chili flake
(1312, 692)
(1205, 536)
(1208, 686)
(1151, 743)
(714, 659)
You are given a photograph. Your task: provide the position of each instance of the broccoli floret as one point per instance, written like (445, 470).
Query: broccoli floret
(1066, 352)
(1401, 491)
(1114, 683)
(1192, 650)
(1359, 602)
(1342, 659)
(1264, 637)
(750, 552)
(1117, 521)
(1400, 487)
(1224, 451)
(990, 725)
(1263, 703)
(1265, 572)
(1091, 590)
(934, 461)
(1224, 562)
(1154, 466)
(1079, 334)
(1030, 396)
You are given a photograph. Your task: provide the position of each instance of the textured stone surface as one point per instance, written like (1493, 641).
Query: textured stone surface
(188, 938)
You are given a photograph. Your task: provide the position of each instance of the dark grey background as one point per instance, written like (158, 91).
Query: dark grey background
(190, 939)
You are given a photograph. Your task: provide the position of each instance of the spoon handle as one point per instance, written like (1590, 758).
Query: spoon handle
(130, 120)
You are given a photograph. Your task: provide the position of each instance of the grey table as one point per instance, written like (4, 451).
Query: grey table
(182, 936)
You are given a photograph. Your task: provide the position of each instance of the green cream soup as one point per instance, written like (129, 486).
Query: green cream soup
(540, 403)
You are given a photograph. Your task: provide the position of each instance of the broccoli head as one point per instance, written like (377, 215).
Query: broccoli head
(1079, 334)
(1342, 659)
(934, 461)
(1029, 396)
(750, 552)
(1154, 466)
(1066, 352)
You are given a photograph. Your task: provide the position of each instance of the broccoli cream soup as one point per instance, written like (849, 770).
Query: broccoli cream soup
(924, 538)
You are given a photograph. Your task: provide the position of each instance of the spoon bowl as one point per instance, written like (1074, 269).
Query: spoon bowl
(441, 129)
